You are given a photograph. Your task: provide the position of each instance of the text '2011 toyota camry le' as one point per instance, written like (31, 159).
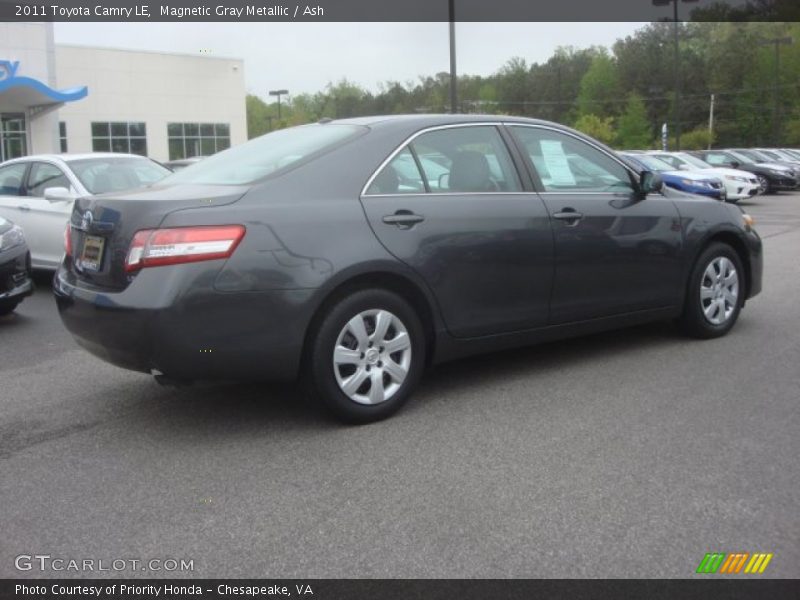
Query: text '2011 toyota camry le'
(353, 253)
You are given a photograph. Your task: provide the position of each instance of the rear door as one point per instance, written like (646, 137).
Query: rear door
(450, 204)
(14, 206)
(614, 253)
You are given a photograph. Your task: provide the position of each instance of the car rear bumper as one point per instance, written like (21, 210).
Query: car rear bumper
(15, 274)
(201, 334)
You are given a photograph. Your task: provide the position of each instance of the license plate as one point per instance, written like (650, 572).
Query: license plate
(92, 253)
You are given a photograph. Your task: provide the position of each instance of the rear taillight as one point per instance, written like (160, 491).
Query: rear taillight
(158, 247)
(68, 240)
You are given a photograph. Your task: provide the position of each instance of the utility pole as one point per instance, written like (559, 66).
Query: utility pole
(711, 122)
(453, 81)
(777, 42)
(676, 111)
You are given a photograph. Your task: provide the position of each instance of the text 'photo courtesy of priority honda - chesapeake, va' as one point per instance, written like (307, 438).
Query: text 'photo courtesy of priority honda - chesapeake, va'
(358, 299)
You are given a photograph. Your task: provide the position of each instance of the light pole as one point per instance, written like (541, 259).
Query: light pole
(777, 42)
(278, 93)
(676, 113)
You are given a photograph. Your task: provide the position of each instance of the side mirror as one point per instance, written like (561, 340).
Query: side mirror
(735, 164)
(58, 194)
(684, 167)
(649, 182)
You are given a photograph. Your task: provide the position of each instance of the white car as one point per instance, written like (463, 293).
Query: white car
(37, 192)
(738, 184)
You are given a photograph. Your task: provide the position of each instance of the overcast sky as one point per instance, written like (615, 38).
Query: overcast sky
(304, 57)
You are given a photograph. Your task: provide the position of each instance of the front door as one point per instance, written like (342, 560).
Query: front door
(614, 253)
(451, 206)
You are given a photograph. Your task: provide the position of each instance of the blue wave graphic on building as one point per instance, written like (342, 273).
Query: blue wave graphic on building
(9, 79)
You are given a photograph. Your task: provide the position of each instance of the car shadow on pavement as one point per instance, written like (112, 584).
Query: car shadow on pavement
(259, 407)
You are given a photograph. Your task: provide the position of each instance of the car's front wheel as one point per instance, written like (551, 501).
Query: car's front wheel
(367, 355)
(715, 294)
(763, 184)
(8, 306)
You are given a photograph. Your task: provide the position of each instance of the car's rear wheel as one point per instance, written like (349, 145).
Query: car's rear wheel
(715, 294)
(8, 306)
(367, 355)
(763, 184)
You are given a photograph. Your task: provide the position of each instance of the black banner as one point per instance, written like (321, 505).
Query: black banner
(404, 10)
(391, 589)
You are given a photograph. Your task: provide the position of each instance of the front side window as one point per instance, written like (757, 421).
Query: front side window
(43, 176)
(565, 163)
(264, 155)
(127, 137)
(187, 140)
(11, 177)
(466, 160)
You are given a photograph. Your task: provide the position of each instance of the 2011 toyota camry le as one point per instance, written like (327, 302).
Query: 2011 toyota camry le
(354, 253)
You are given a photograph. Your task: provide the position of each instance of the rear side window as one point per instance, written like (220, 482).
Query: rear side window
(400, 176)
(466, 160)
(264, 155)
(566, 163)
(11, 179)
(717, 158)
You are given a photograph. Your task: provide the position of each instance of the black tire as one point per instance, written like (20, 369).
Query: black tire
(8, 306)
(764, 185)
(319, 368)
(693, 320)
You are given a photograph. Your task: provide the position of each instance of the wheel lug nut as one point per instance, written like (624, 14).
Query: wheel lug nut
(380, 363)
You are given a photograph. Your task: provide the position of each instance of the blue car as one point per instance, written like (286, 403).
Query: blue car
(685, 181)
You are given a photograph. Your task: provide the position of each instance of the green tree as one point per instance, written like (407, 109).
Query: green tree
(600, 89)
(633, 127)
(600, 128)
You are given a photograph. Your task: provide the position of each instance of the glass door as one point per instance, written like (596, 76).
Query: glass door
(13, 136)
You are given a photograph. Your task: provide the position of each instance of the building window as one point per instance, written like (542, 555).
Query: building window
(62, 135)
(119, 137)
(197, 139)
(13, 137)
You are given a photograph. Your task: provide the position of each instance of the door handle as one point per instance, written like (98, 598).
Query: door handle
(404, 219)
(570, 215)
(24, 207)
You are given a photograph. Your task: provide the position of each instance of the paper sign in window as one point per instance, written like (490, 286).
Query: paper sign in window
(557, 165)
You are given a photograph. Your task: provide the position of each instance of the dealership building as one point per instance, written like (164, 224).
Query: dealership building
(65, 98)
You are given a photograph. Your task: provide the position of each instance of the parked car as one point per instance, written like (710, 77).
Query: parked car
(301, 253)
(793, 152)
(182, 163)
(764, 158)
(738, 184)
(780, 156)
(37, 192)
(15, 267)
(686, 181)
(771, 177)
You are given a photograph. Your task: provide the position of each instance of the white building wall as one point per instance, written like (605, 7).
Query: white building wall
(32, 45)
(153, 87)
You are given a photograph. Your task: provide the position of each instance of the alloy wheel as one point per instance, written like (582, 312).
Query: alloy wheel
(719, 290)
(372, 356)
(763, 184)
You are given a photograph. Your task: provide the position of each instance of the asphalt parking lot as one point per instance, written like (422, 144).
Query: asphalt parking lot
(626, 454)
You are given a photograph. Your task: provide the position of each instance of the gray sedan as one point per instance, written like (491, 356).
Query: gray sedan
(356, 253)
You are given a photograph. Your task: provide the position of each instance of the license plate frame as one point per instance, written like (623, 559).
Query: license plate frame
(92, 252)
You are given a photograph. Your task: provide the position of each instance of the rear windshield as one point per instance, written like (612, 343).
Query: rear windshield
(264, 155)
(115, 174)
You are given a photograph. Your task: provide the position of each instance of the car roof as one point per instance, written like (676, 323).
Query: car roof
(402, 122)
(67, 157)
